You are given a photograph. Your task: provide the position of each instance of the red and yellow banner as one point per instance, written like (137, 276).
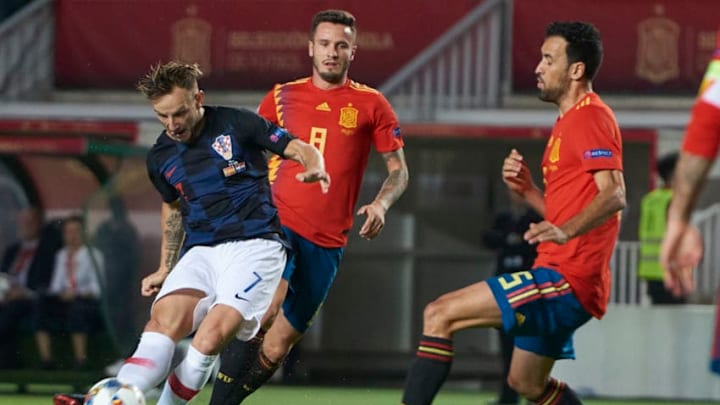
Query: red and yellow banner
(650, 45)
(240, 45)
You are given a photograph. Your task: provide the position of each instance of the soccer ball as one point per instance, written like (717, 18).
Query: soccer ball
(110, 391)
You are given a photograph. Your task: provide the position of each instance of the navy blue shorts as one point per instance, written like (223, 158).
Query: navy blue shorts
(540, 310)
(310, 271)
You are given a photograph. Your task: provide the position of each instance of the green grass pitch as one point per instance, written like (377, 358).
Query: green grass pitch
(311, 395)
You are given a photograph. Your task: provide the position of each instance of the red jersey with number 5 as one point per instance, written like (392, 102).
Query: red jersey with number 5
(584, 140)
(342, 123)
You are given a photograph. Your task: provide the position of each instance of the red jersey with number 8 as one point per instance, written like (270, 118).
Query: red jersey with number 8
(342, 123)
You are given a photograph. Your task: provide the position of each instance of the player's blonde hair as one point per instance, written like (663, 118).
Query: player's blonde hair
(163, 78)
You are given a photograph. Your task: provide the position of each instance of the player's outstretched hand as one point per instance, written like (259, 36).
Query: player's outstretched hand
(151, 284)
(545, 232)
(315, 175)
(516, 173)
(375, 221)
(682, 250)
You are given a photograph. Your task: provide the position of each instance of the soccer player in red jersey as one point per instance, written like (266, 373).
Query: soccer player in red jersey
(343, 119)
(569, 283)
(682, 246)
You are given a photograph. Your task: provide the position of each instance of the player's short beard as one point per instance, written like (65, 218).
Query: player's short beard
(334, 78)
(554, 94)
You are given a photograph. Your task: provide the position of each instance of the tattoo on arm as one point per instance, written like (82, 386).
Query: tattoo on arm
(397, 180)
(174, 237)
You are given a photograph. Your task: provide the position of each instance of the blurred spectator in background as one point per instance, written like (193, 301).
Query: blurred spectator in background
(71, 304)
(653, 218)
(118, 241)
(26, 270)
(514, 254)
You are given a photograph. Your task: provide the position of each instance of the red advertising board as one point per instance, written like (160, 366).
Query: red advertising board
(240, 45)
(649, 45)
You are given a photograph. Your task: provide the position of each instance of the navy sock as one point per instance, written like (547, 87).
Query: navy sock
(558, 393)
(235, 361)
(428, 371)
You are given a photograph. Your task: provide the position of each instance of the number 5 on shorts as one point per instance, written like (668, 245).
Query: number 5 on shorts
(512, 280)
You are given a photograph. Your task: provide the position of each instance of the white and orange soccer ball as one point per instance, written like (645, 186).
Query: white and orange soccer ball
(110, 391)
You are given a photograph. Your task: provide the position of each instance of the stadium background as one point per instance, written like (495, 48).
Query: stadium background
(73, 135)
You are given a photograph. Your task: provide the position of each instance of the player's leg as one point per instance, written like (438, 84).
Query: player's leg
(472, 306)
(507, 395)
(237, 356)
(186, 380)
(246, 275)
(171, 320)
(530, 377)
(176, 312)
(313, 275)
(546, 318)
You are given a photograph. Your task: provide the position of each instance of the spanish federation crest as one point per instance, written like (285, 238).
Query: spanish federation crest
(191, 40)
(657, 56)
(348, 117)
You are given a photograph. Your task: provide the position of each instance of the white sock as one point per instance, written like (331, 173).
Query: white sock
(150, 363)
(187, 379)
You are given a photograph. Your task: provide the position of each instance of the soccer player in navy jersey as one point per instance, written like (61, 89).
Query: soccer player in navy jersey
(218, 217)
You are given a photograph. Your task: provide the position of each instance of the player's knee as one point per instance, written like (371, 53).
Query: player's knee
(271, 314)
(435, 318)
(276, 346)
(169, 328)
(524, 387)
(208, 342)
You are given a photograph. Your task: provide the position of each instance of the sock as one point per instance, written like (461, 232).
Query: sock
(235, 361)
(261, 369)
(150, 363)
(557, 393)
(428, 371)
(187, 379)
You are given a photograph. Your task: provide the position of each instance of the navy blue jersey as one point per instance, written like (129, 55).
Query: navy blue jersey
(220, 178)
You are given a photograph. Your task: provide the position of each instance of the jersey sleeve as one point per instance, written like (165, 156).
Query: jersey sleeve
(166, 190)
(268, 108)
(265, 133)
(387, 136)
(598, 140)
(702, 136)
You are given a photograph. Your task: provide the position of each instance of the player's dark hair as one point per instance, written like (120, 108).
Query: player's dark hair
(666, 166)
(583, 44)
(333, 16)
(163, 78)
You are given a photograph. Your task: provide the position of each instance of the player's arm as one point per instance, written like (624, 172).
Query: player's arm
(311, 159)
(608, 201)
(392, 188)
(687, 183)
(396, 181)
(172, 236)
(517, 177)
(682, 246)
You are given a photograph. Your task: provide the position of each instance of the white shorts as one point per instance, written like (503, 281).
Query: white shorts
(241, 274)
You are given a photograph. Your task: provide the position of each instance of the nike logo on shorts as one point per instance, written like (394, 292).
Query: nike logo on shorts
(241, 298)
